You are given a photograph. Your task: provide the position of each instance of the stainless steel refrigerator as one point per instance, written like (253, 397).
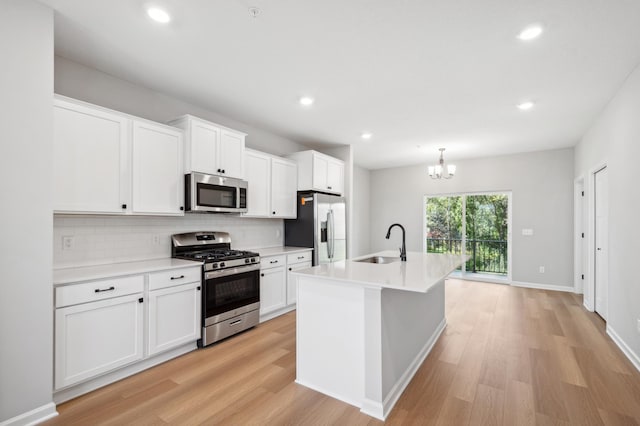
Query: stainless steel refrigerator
(321, 224)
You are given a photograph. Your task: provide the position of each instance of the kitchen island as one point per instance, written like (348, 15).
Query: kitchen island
(364, 329)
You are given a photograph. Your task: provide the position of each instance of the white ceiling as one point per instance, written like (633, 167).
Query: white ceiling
(426, 73)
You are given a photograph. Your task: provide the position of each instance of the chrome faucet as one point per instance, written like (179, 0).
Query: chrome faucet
(403, 249)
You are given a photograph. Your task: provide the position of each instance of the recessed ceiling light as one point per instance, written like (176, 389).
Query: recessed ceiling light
(366, 135)
(531, 32)
(158, 15)
(306, 101)
(527, 105)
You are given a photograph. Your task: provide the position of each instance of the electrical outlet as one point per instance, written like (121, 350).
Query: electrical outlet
(156, 240)
(638, 325)
(541, 269)
(67, 242)
(527, 232)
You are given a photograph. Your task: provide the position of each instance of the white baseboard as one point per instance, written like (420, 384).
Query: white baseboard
(334, 395)
(381, 411)
(633, 357)
(272, 315)
(538, 286)
(33, 417)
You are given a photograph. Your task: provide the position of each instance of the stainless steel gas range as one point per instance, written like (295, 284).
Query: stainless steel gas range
(231, 283)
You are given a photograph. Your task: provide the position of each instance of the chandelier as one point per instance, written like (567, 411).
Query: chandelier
(440, 170)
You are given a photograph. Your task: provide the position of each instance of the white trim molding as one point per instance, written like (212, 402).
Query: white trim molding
(633, 357)
(553, 287)
(33, 417)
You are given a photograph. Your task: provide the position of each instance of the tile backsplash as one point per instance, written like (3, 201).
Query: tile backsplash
(83, 240)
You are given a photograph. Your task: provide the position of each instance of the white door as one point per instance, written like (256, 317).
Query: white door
(204, 144)
(231, 154)
(273, 289)
(158, 182)
(93, 338)
(284, 183)
(174, 317)
(258, 174)
(602, 242)
(90, 159)
(292, 282)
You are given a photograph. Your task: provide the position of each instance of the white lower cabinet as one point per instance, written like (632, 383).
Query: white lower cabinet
(100, 325)
(174, 317)
(273, 289)
(292, 287)
(93, 338)
(278, 293)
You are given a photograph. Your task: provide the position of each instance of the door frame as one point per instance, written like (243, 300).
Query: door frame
(509, 194)
(590, 282)
(579, 242)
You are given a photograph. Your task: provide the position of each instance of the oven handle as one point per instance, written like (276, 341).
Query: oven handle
(231, 271)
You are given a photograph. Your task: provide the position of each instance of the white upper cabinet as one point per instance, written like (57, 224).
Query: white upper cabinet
(210, 148)
(158, 181)
(106, 162)
(258, 176)
(90, 159)
(272, 185)
(283, 188)
(319, 172)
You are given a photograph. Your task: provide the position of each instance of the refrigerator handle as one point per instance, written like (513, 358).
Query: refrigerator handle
(332, 234)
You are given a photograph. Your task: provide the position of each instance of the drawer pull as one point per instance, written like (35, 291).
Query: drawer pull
(101, 290)
(198, 288)
(273, 261)
(178, 278)
(140, 300)
(290, 269)
(235, 322)
(300, 257)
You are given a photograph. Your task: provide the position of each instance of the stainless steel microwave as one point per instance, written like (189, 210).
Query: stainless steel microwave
(217, 194)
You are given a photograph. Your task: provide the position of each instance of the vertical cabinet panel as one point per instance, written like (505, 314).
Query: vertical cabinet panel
(258, 174)
(203, 145)
(283, 188)
(174, 317)
(231, 154)
(94, 338)
(273, 289)
(292, 282)
(157, 169)
(90, 159)
(320, 169)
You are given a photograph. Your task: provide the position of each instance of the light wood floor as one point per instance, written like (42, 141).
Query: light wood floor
(509, 356)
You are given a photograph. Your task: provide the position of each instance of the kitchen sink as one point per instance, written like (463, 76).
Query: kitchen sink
(379, 259)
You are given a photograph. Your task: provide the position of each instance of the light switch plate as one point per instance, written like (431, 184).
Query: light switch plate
(527, 231)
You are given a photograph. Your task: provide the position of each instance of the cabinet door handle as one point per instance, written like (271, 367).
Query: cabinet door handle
(124, 206)
(300, 257)
(289, 268)
(181, 207)
(328, 187)
(198, 288)
(262, 275)
(100, 290)
(219, 170)
(177, 278)
(273, 213)
(140, 300)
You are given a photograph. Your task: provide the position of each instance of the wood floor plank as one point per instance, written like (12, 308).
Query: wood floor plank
(509, 355)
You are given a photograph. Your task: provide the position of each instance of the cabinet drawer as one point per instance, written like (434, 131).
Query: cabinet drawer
(272, 261)
(98, 290)
(299, 257)
(174, 277)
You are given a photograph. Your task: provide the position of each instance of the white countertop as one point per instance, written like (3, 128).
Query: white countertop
(88, 273)
(273, 251)
(419, 273)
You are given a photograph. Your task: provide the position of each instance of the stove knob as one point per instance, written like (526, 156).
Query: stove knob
(253, 260)
(247, 261)
(214, 265)
(222, 265)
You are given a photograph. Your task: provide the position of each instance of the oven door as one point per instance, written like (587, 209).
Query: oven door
(230, 292)
(211, 193)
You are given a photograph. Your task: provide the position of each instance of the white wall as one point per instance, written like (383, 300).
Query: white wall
(542, 188)
(107, 239)
(26, 120)
(615, 138)
(90, 85)
(361, 218)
